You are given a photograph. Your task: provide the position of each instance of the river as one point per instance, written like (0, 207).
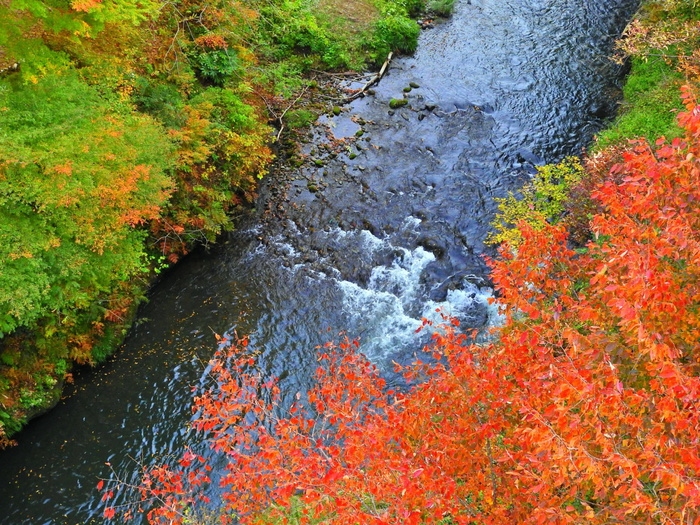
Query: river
(370, 235)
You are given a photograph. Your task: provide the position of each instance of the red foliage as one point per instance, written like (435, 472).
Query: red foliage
(211, 41)
(584, 409)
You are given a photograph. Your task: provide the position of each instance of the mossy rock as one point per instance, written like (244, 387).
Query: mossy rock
(396, 103)
(300, 118)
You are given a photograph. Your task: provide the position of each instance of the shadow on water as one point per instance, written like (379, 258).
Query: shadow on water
(384, 229)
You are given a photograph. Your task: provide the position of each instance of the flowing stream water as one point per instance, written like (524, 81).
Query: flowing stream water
(381, 231)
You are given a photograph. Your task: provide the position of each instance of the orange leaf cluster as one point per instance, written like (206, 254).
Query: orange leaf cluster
(211, 41)
(85, 6)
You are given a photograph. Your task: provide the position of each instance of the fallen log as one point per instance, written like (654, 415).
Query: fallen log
(376, 78)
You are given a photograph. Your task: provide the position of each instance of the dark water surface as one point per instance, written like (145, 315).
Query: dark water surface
(368, 245)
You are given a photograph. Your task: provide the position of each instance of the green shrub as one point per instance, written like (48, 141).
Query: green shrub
(441, 7)
(74, 181)
(394, 33)
(216, 66)
(163, 101)
(541, 201)
(413, 7)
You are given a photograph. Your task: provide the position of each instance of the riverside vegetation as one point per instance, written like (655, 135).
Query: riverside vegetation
(131, 132)
(582, 409)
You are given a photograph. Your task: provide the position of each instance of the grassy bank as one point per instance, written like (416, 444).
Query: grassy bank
(662, 46)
